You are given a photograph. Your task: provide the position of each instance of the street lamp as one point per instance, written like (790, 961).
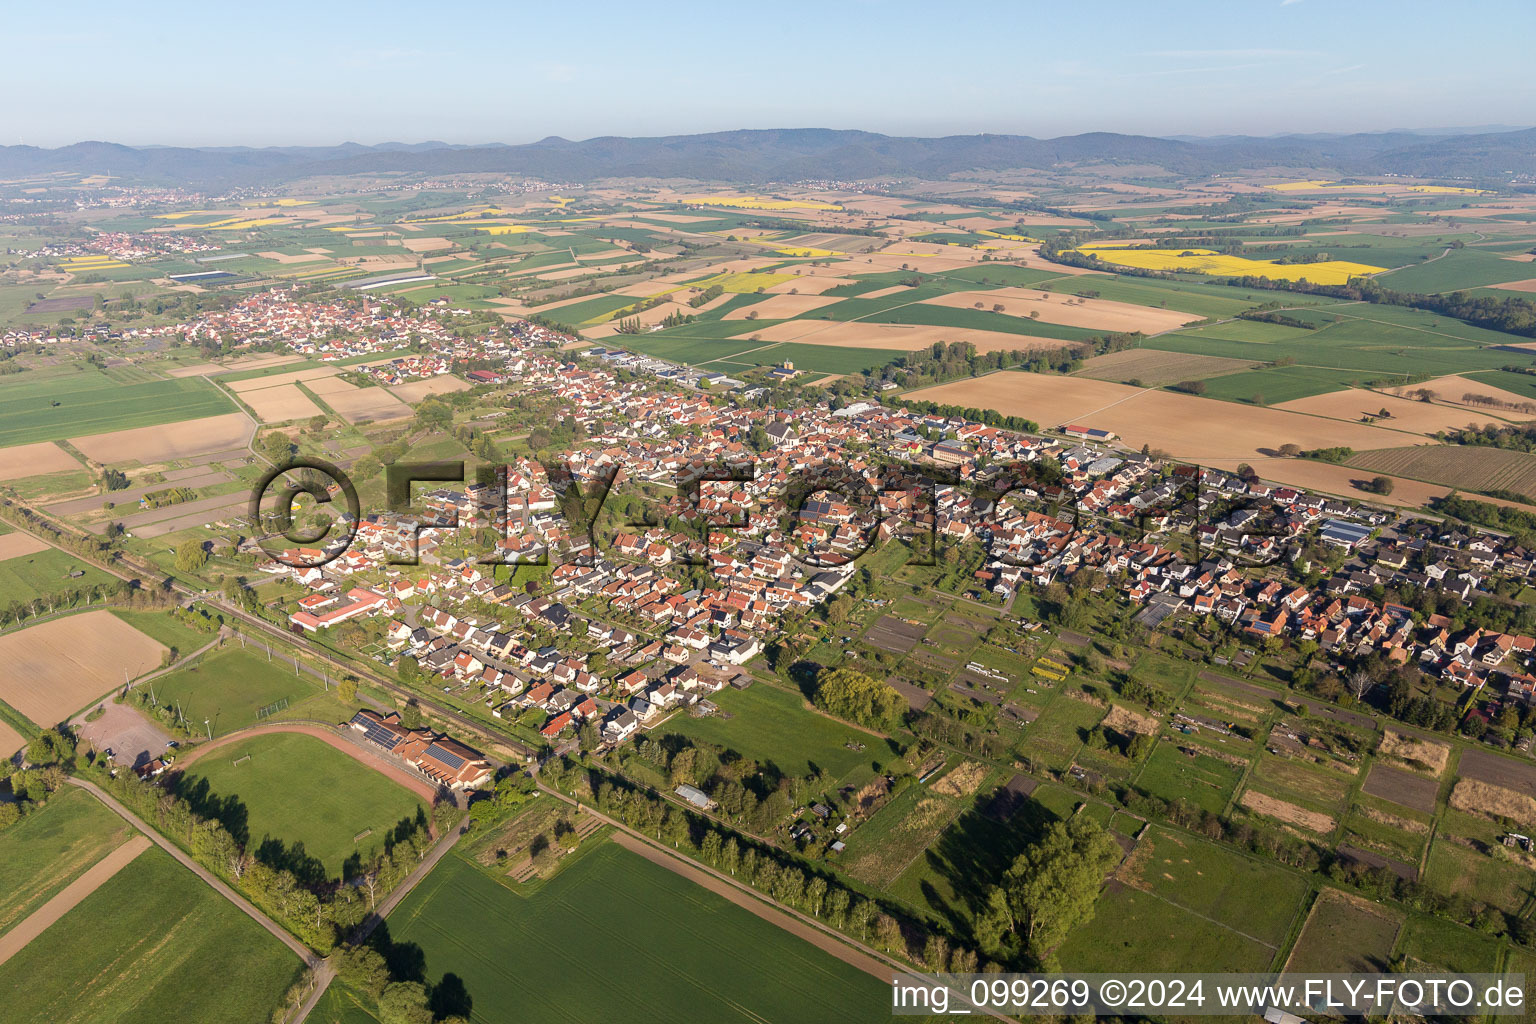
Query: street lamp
(210, 730)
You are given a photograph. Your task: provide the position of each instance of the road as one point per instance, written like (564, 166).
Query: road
(132, 569)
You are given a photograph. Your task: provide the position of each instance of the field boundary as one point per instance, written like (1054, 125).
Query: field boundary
(94, 877)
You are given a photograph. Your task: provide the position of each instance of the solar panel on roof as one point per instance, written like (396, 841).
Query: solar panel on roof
(377, 732)
(448, 757)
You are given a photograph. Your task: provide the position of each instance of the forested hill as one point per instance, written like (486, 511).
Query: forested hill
(801, 153)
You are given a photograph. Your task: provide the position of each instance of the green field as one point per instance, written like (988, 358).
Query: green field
(1136, 930)
(771, 725)
(883, 847)
(655, 947)
(52, 406)
(1457, 269)
(1368, 341)
(299, 789)
(1460, 870)
(1258, 898)
(1345, 934)
(1203, 781)
(228, 687)
(152, 944)
(160, 626)
(46, 573)
(1446, 946)
(50, 847)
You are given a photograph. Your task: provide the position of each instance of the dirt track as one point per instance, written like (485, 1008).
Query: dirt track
(37, 922)
(778, 918)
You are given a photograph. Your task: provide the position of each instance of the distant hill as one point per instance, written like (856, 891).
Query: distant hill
(799, 153)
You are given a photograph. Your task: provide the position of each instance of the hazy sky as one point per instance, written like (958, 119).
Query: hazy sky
(275, 72)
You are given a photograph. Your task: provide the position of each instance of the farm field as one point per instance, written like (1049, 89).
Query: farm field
(38, 459)
(229, 686)
(613, 907)
(1179, 424)
(771, 724)
(1457, 269)
(301, 791)
(1469, 467)
(58, 667)
(181, 440)
(1154, 368)
(62, 405)
(1205, 261)
(51, 847)
(153, 943)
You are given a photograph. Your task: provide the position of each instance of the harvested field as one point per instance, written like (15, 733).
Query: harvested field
(1426, 755)
(858, 334)
(1281, 810)
(14, 545)
(1528, 285)
(1453, 390)
(168, 441)
(1472, 467)
(1400, 787)
(1493, 801)
(1341, 480)
(329, 386)
(1484, 766)
(1183, 425)
(414, 391)
(367, 404)
(1056, 308)
(24, 460)
(963, 780)
(56, 668)
(280, 404)
(892, 634)
(1419, 417)
(781, 307)
(1123, 719)
(1155, 368)
(240, 387)
(197, 370)
(10, 740)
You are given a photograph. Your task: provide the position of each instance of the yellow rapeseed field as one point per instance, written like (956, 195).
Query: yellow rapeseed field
(1011, 238)
(741, 284)
(241, 225)
(757, 203)
(1207, 261)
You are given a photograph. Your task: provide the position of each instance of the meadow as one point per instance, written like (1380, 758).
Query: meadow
(54, 405)
(152, 944)
(1258, 898)
(1457, 269)
(300, 790)
(771, 725)
(1132, 927)
(45, 573)
(667, 948)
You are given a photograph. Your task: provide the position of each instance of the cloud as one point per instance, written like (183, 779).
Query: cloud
(1287, 3)
(1231, 54)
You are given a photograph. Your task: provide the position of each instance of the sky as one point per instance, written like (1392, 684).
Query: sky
(282, 73)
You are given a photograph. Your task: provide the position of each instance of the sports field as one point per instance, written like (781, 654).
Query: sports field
(770, 724)
(56, 405)
(298, 789)
(228, 687)
(152, 944)
(668, 949)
